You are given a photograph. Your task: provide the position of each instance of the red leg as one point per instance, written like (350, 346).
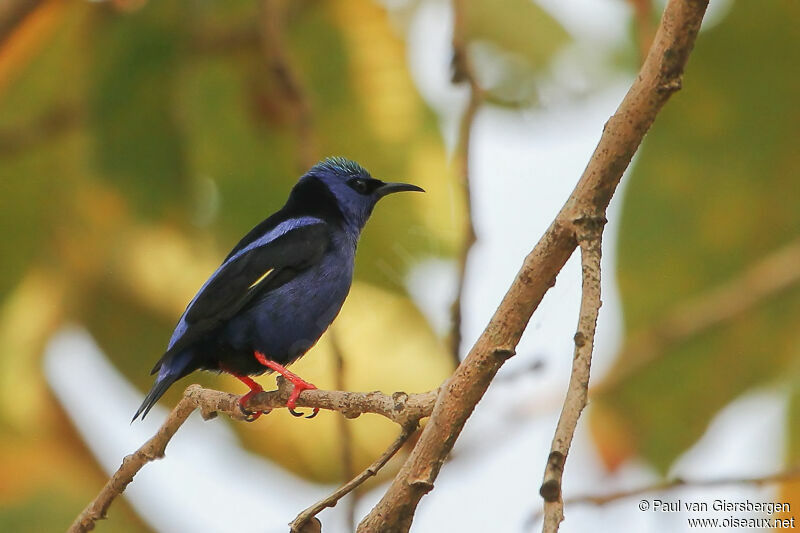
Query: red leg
(299, 383)
(255, 388)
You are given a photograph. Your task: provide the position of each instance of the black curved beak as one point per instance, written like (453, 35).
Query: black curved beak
(389, 188)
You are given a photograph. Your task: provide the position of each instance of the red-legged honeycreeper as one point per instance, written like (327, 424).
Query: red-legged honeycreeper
(280, 287)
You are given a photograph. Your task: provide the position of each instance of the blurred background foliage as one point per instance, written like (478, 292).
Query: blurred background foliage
(709, 250)
(139, 140)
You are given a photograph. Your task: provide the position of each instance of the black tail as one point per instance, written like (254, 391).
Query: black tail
(159, 388)
(171, 367)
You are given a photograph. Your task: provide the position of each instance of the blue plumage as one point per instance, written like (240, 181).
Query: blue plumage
(280, 287)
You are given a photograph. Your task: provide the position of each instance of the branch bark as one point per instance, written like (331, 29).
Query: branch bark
(659, 77)
(578, 389)
(404, 409)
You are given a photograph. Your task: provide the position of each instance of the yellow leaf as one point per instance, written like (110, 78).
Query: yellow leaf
(27, 317)
(378, 69)
(28, 38)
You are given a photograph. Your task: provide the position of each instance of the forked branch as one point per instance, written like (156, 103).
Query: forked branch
(297, 525)
(660, 76)
(589, 240)
(404, 409)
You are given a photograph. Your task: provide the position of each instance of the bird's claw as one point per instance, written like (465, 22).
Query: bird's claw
(298, 414)
(298, 384)
(249, 416)
(255, 388)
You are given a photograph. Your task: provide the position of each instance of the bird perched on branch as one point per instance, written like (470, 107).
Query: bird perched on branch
(280, 287)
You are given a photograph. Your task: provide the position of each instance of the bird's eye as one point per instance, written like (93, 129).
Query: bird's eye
(359, 185)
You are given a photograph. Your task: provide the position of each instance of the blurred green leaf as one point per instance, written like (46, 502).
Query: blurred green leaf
(51, 510)
(36, 178)
(513, 41)
(250, 164)
(138, 143)
(708, 197)
(130, 335)
(517, 26)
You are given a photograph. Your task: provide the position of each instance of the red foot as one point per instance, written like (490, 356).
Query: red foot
(299, 383)
(255, 388)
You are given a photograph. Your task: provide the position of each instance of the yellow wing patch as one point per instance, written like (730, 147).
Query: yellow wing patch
(259, 280)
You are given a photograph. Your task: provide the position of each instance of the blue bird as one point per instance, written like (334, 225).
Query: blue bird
(280, 287)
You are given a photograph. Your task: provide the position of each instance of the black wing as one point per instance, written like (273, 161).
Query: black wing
(252, 273)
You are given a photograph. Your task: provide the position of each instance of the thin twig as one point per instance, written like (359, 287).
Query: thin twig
(578, 390)
(463, 72)
(762, 280)
(603, 499)
(370, 471)
(660, 76)
(273, 24)
(404, 409)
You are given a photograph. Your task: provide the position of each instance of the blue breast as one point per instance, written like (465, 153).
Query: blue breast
(288, 321)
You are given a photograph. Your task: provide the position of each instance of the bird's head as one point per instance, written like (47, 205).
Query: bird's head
(353, 189)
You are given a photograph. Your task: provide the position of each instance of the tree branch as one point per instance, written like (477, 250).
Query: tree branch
(401, 408)
(404, 409)
(450, 408)
(659, 77)
(297, 525)
(578, 389)
(463, 72)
